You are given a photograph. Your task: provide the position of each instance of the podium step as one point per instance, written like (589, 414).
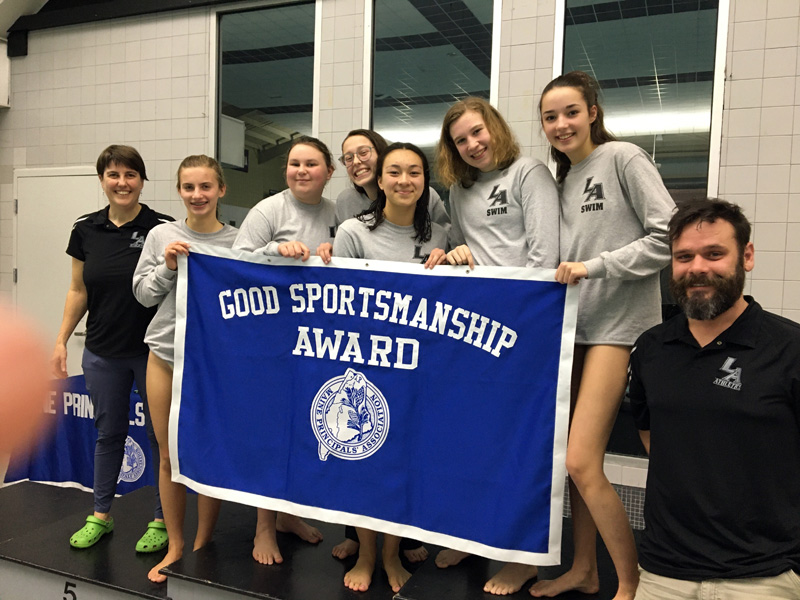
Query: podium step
(28, 505)
(225, 569)
(465, 581)
(36, 560)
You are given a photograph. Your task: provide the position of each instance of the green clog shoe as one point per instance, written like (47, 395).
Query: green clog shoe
(154, 539)
(90, 534)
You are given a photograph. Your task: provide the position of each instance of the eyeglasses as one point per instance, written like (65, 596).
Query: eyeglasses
(363, 153)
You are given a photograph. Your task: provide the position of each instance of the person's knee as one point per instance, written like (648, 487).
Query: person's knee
(111, 439)
(581, 468)
(164, 462)
(111, 422)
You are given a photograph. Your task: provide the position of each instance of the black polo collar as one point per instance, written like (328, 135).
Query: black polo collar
(146, 218)
(743, 331)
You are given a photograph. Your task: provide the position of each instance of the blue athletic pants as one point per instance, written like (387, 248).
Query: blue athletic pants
(109, 381)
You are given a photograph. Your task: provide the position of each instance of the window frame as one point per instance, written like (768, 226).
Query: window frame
(369, 56)
(717, 90)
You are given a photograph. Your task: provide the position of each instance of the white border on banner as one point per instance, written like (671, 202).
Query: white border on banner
(561, 425)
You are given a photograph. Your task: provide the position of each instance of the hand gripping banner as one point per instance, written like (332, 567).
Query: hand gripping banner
(427, 404)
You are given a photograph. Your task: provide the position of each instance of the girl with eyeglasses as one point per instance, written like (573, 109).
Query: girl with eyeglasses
(360, 151)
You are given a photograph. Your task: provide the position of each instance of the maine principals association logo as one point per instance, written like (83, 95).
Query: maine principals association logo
(133, 462)
(350, 417)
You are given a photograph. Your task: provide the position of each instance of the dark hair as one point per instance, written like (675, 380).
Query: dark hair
(450, 167)
(709, 210)
(307, 140)
(127, 156)
(376, 139)
(589, 89)
(422, 218)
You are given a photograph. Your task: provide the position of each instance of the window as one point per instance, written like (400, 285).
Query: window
(655, 64)
(266, 73)
(654, 60)
(427, 55)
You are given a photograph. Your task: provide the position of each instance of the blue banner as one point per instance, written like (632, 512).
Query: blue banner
(427, 404)
(65, 454)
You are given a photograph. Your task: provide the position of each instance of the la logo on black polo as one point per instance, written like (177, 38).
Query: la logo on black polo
(733, 379)
(136, 240)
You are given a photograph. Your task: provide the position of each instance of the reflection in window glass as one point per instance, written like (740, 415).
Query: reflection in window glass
(655, 64)
(266, 79)
(428, 54)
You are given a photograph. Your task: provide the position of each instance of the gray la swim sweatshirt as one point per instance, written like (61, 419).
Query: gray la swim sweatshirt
(614, 215)
(509, 217)
(154, 283)
(283, 218)
(351, 203)
(386, 242)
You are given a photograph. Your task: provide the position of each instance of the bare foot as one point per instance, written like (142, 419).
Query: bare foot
(171, 557)
(265, 548)
(395, 572)
(510, 579)
(344, 549)
(359, 577)
(450, 558)
(586, 583)
(292, 524)
(416, 555)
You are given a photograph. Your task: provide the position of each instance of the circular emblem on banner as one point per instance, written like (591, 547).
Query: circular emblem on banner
(350, 417)
(133, 462)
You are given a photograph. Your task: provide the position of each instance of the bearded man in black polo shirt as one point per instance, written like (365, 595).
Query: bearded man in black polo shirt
(716, 395)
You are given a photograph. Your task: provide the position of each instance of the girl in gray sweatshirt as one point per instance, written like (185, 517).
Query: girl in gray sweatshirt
(398, 228)
(614, 215)
(503, 206)
(293, 224)
(200, 184)
(360, 151)
(504, 212)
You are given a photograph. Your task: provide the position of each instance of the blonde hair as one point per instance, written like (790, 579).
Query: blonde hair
(201, 160)
(450, 167)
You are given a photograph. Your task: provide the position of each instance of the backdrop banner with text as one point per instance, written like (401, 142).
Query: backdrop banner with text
(64, 454)
(431, 404)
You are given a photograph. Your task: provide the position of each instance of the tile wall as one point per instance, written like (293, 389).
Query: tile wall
(526, 66)
(760, 161)
(141, 81)
(341, 79)
(145, 81)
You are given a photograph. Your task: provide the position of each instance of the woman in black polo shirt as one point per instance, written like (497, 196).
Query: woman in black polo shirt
(105, 247)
